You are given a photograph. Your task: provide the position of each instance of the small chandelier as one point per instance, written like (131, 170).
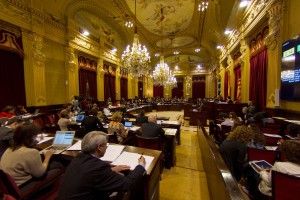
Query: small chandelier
(136, 59)
(161, 72)
(171, 82)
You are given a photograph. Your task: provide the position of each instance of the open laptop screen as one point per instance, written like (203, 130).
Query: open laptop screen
(64, 138)
(79, 118)
(128, 124)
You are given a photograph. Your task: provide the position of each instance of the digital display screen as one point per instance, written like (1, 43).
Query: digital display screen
(290, 70)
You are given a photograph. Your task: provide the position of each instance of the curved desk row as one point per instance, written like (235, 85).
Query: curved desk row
(221, 184)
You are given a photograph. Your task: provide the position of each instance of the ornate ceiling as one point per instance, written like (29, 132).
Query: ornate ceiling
(180, 27)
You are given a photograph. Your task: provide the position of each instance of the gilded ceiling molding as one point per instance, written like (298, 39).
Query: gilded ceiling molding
(243, 50)
(274, 25)
(37, 47)
(28, 14)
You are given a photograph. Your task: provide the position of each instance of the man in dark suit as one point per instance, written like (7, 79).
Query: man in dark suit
(152, 129)
(88, 177)
(141, 119)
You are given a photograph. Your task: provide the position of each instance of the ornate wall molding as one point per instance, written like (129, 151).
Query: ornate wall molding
(274, 25)
(37, 49)
(70, 59)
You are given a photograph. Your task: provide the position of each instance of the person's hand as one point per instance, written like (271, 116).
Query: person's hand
(142, 160)
(49, 153)
(120, 168)
(40, 137)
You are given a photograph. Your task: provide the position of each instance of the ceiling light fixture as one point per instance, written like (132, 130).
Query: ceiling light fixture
(197, 50)
(136, 58)
(203, 6)
(219, 47)
(128, 24)
(244, 3)
(227, 32)
(86, 33)
(176, 52)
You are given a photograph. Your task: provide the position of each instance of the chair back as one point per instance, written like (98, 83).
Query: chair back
(8, 185)
(50, 120)
(272, 141)
(262, 154)
(39, 121)
(285, 186)
(270, 131)
(148, 143)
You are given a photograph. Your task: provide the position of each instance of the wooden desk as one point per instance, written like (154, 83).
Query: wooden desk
(173, 124)
(152, 178)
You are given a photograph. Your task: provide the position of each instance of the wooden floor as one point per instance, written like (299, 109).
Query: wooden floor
(187, 180)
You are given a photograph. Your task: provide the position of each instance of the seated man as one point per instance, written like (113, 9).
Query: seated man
(152, 129)
(141, 119)
(88, 177)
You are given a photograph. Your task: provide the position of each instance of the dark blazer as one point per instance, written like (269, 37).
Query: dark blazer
(141, 119)
(234, 153)
(152, 130)
(92, 123)
(88, 178)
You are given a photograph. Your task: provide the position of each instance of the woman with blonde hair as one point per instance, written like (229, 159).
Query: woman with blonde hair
(116, 127)
(234, 149)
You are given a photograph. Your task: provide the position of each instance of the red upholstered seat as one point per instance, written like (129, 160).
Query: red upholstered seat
(262, 154)
(285, 186)
(9, 186)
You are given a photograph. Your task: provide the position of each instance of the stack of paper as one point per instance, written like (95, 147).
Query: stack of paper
(131, 159)
(171, 131)
(76, 146)
(272, 135)
(112, 152)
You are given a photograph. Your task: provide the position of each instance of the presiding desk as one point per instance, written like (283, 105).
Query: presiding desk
(152, 178)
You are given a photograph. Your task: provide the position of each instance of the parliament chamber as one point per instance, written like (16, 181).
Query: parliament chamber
(192, 65)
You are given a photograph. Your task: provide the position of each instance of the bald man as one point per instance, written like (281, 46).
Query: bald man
(152, 129)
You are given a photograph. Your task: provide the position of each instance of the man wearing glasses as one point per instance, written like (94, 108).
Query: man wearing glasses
(88, 177)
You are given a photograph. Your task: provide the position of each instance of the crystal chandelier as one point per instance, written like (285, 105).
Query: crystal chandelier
(161, 72)
(171, 82)
(136, 58)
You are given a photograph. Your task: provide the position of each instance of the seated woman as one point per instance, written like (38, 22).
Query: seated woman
(115, 126)
(259, 139)
(234, 149)
(21, 161)
(65, 121)
(8, 111)
(291, 149)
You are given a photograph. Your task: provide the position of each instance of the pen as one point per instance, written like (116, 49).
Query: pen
(142, 155)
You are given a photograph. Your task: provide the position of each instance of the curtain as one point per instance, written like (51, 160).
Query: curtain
(88, 83)
(198, 88)
(12, 84)
(141, 90)
(178, 91)
(237, 82)
(226, 84)
(124, 89)
(158, 91)
(258, 78)
(110, 87)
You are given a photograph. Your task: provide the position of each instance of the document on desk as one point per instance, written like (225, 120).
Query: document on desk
(171, 122)
(271, 148)
(171, 131)
(76, 146)
(135, 128)
(131, 159)
(112, 152)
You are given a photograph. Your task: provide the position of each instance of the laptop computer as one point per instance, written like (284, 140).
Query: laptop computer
(128, 124)
(62, 141)
(79, 118)
(36, 112)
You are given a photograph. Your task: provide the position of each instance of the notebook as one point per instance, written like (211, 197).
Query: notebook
(128, 124)
(79, 118)
(62, 141)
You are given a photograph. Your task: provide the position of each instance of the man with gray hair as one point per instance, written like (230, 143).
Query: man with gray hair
(88, 177)
(152, 129)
